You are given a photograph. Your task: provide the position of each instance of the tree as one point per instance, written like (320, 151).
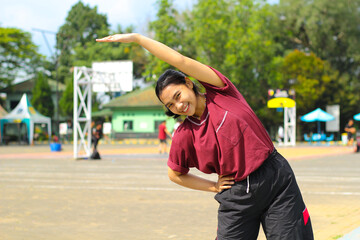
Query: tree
(166, 29)
(234, 36)
(18, 55)
(93, 51)
(66, 103)
(41, 96)
(330, 29)
(77, 46)
(310, 77)
(83, 25)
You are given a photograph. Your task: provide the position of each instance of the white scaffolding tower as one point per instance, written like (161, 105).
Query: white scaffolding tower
(113, 76)
(84, 78)
(290, 126)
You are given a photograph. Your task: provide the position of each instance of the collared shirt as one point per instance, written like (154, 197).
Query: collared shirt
(229, 139)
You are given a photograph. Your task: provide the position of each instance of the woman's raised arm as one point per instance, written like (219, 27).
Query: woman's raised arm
(185, 64)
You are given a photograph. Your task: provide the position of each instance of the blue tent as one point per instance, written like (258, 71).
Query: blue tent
(25, 113)
(318, 115)
(357, 117)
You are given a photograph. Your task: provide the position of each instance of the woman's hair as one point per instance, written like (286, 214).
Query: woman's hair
(171, 77)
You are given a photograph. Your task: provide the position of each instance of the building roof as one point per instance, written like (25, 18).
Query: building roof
(139, 98)
(28, 85)
(102, 113)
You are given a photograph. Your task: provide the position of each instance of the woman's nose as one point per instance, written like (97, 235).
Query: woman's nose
(179, 106)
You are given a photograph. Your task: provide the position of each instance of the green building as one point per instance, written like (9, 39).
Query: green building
(138, 114)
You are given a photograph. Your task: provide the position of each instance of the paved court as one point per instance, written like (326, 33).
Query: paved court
(128, 196)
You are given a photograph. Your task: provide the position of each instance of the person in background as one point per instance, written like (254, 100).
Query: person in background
(97, 134)
(350, 130)
(163, 132)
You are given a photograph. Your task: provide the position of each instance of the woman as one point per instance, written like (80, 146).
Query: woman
(222, 135)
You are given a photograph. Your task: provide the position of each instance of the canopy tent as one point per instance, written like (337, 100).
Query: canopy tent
(318, 115)
(25, 113)
(357, 117)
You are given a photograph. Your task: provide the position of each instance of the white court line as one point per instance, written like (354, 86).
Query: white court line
(327, 179)
(88, 174)
(106, 188)
(157, 189)
(334, 193)
(118, 179)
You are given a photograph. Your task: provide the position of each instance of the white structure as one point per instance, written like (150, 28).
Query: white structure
(290, 126)
(281, 98)
(87, 80)
(119, 76)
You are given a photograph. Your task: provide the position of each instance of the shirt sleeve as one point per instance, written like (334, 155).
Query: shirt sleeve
(180, 152)
(228, 89)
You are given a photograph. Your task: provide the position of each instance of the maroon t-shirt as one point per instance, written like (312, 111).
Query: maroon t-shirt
(229, 139)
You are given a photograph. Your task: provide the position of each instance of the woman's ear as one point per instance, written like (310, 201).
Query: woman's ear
(189, 83)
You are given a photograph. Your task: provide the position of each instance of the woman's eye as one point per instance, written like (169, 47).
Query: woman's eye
(177, 96)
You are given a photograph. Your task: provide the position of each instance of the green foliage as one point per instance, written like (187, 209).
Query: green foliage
(330, 29)
(250, 41)
(41, 96)
(234, 37)
(83, 25)
(166, 29)
(66, 103)
(309, 76)
(18, 54)
(77, 46)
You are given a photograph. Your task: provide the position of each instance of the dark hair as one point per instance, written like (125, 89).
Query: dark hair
(171, 77)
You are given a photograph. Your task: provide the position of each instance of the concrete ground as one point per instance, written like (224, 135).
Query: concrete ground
(127, 195)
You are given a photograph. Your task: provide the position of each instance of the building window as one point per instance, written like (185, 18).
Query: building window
(128, 125)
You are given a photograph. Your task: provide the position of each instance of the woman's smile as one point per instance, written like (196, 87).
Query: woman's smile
(186, 108)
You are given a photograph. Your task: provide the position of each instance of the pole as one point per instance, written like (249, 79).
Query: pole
(55, 57)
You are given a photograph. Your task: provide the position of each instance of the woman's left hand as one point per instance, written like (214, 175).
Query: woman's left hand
(224, 182)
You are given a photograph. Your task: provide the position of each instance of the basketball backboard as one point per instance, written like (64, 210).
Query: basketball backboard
(112, 76)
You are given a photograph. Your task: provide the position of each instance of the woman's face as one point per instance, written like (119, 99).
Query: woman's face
(180, 98)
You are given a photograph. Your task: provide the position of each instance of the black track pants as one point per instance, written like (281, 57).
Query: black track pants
(269, 196)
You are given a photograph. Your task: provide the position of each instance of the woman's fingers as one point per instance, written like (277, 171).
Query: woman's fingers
(106, 39)
(224, 182)
(125, 38)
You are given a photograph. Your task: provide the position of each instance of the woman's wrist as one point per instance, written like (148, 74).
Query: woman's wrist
(213, 188)
(137, 38)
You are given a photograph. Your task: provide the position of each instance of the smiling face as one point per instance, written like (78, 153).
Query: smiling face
(181, 99)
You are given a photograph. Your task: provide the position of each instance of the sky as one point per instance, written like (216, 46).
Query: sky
(34, 15)
(49, 15)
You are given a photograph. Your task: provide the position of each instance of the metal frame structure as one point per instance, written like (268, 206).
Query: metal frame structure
(84, 78)
(290, 126)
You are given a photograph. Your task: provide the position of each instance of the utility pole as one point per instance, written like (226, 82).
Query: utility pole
(55, 57)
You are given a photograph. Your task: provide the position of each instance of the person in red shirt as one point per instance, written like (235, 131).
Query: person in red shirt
(221, 134)
(162, 137)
